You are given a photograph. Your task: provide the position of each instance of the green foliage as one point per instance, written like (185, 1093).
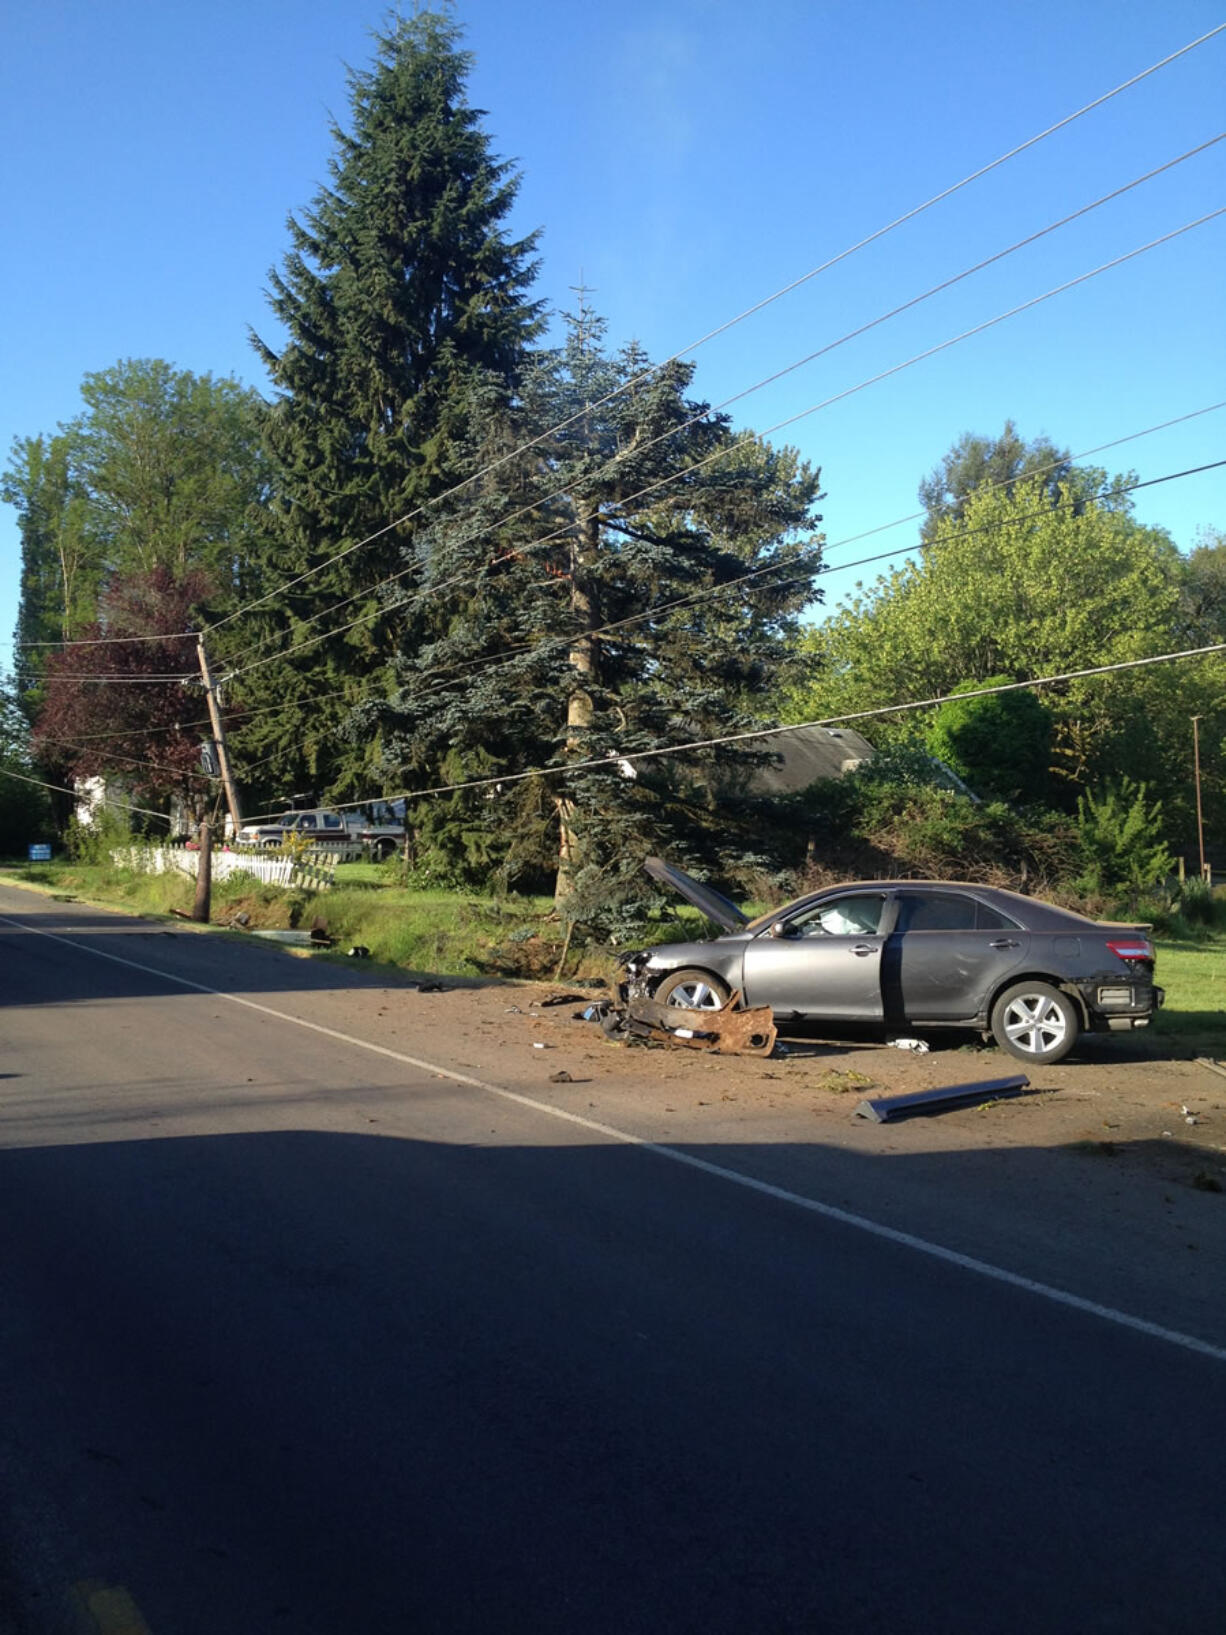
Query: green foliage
(25, 814)
(93, 841)
(1199, 904)
(1001, 745)
(1121, 841)
(1022, 586)
(162, 472)
(1204, 589)
(895, 817)
(585, 607)
(1001, 463)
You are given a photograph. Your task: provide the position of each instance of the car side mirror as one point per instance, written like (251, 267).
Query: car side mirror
(780, 929)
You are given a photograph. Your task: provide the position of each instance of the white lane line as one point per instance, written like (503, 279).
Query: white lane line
(831, 1212)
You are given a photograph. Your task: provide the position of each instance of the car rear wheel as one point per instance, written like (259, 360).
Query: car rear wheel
(698, 990)
(1035, 1022)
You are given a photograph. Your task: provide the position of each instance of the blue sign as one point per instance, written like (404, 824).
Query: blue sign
(40, 851)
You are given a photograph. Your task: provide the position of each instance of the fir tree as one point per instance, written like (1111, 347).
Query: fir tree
(402, 289)
(584, 606)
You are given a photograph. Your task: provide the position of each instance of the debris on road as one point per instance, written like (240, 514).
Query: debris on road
(729, 1030)
(561, 1077)
(885, 1108)
(917, 1047)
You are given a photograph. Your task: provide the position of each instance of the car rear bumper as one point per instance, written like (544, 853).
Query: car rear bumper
(1119, 1006)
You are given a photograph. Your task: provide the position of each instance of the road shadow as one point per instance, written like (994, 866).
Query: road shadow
(324, 1382)
(143, 957)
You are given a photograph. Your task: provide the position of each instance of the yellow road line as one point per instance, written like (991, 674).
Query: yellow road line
(109, 1608)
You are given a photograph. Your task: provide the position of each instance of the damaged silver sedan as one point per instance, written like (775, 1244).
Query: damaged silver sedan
(907, 954)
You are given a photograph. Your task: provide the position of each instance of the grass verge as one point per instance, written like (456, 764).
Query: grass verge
(1194, 976)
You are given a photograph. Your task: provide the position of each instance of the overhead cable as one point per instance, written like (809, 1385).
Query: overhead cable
(758, 306)
(749, 391)
(622, 757)
(780, 425)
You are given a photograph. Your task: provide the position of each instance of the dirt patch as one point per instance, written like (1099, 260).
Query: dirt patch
(1112, 1104)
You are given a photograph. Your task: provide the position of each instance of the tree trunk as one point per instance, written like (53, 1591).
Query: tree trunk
(579, 706)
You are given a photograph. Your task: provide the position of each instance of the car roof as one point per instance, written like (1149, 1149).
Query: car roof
(1035, 910)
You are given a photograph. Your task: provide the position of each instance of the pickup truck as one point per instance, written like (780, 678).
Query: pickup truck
(332, 829)
(381, 840)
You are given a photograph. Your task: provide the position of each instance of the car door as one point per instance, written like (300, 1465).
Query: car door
(824, 961)
(947, 953)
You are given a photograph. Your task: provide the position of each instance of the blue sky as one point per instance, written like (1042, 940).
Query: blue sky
(683, 159)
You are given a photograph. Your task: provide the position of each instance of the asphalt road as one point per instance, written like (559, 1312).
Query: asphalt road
(295, 1335)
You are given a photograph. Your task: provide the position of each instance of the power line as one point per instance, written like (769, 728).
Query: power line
(621, 757)
(723, 453)
(102, 641)
(63, 789)
(514, 655)
(769, 380)
(842, 567)
(508, 659)
(132, 760)
(528, 650)
(825, 266)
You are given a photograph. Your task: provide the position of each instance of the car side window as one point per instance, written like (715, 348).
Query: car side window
(856, 915)
(936, 911)
(943, 911)
(991, 919)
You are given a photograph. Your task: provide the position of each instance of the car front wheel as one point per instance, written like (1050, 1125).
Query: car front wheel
(1035, 1022)
(698, 990)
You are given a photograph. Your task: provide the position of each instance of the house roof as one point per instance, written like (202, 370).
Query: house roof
(802, 755)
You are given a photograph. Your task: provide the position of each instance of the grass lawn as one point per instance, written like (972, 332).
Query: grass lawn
(1194, 976)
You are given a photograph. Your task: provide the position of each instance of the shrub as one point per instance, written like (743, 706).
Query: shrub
(1120, 839)
(1000, 744)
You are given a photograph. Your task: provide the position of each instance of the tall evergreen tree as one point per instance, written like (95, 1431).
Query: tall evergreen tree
(402, 290)
(584, 606)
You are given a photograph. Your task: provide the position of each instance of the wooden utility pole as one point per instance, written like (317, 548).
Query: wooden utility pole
(1200, 822)
(219, 735)
(204, 875)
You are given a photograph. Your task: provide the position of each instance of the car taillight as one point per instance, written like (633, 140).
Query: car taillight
(1132, 948)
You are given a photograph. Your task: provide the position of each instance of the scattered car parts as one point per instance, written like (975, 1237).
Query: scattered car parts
(884, 1108)
(729, 1029)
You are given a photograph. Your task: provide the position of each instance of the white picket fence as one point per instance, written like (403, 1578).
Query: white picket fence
(316, 875)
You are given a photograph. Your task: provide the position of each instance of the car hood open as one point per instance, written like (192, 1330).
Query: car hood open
(707, 901)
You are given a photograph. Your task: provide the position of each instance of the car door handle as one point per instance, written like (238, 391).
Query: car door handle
(863, 948)
(1005, 942)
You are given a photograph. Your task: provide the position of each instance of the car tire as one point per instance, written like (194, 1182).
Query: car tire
(697, 990)
(385, 849)
(1035, 1022)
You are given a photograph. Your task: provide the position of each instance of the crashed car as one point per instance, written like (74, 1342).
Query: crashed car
(908, 954)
